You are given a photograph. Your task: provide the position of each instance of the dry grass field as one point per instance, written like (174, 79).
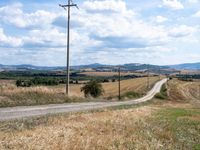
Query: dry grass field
(190, 72)
(160, 124)
(154, 127)
(108, 74)
(181, 90)
(10, 95)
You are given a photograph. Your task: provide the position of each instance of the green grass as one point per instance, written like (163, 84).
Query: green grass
(178, 126)
(132, 94)
(163, 93)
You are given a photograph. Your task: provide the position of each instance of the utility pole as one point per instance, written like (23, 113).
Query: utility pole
(148, 80)
(159, 73)
(199, 91)
(68, 6)
(119, 71)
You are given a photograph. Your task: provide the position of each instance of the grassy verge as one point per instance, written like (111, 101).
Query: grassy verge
(36, 98)
(131, 95)
(163, 93)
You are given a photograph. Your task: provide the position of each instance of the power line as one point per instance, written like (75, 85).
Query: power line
(67, 8)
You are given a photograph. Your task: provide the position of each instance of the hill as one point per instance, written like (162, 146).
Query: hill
(186, 66)
(105, 67)
(96, 66)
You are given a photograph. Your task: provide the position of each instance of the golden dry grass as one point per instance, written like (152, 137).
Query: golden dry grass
(160, 125)
(8, 89)
(138, 85)
(100, 130)
(108, 74)
(151, 127)
(183, 90)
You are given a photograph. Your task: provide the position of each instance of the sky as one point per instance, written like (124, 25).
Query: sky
(159, 32)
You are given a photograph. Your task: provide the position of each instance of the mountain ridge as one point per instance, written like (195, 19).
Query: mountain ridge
(130, 66)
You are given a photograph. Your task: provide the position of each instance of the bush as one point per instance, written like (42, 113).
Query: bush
(105, 80)
(163, 93)
(160, 96)
(37, 81)
(92, 88)
(132, 94)
(23, 83)
(113, 80)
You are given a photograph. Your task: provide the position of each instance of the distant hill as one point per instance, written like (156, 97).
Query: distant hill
(186, 66)
(93, 66)
(96, 66)
(102, 67)
(28, 67)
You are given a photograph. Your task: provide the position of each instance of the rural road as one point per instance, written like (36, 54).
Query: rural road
(30, 111)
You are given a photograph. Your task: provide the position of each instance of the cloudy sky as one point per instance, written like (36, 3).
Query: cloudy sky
(102, 31)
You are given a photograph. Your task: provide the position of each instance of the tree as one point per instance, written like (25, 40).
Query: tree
(92, 88)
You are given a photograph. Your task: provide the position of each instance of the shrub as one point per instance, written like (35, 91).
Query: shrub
(132, 94)
(37, 81)
(163, 93)
(160, 96)
(113, 80)
(76, 82)
(105, 80)
(23, 83)
(92, 88)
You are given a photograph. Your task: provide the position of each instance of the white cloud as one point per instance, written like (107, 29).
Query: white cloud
(160, 19)
(193, 1)
(173, 4)
(103, 31)
(9, 41)
(111, 5)
(14, 14)
(182, 31)
(197, 14)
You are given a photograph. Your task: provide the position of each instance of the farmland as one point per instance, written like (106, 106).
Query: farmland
(11, 95)
(172, 123)
(109, 74)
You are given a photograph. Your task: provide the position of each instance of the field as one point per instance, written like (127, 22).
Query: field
(109, 74)
(181, 90)
(160, 124)
(172, 123)
(10, 95)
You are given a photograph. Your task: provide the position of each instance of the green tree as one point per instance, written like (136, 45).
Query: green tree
(92, 88)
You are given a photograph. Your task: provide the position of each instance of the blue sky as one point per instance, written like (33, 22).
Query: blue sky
(102, 31)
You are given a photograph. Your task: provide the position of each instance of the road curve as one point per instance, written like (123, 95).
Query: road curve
(30, 111)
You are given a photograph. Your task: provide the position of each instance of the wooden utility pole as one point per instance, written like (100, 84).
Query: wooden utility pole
(68, 6)
(148, 80)
(119, 71)
(199, 92)
(159, 73)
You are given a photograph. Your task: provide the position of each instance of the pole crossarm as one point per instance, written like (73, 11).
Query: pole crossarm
(71, 5)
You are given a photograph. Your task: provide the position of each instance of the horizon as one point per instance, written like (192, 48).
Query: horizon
(99, 64)
(159, 32)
